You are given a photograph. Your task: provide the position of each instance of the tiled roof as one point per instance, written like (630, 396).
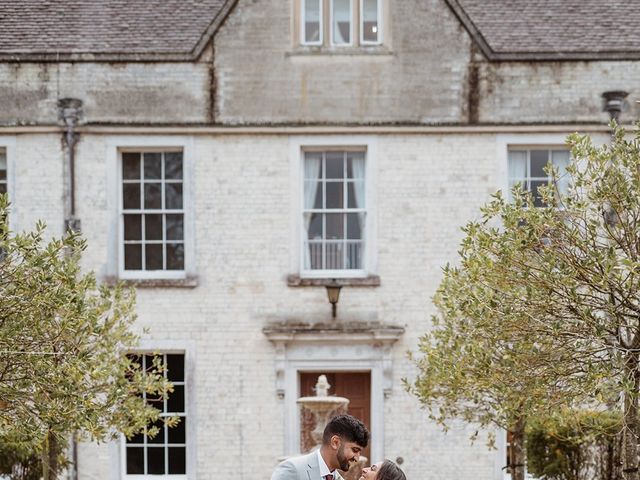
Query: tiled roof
(108, 29)
(553, 29)
(130, 30)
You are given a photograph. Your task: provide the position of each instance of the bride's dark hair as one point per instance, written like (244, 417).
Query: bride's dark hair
(390, 471)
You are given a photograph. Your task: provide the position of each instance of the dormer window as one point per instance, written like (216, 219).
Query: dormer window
(340, 23)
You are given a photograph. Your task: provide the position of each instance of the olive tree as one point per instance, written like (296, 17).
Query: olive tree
(63, 342)
(542, 309)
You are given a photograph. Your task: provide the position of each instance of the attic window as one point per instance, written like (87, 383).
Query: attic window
(340, 23)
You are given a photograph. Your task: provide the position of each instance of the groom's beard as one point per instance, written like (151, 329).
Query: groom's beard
(342, 459)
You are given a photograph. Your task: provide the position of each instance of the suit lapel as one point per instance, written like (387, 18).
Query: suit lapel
(313, 470)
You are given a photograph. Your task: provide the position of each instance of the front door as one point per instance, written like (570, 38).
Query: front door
(356, 386)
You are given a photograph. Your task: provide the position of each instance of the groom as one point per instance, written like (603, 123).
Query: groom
(343, 439)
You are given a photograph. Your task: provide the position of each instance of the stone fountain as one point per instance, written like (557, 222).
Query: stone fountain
(316, 411)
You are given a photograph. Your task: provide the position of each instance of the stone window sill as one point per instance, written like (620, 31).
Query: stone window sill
(297, 281)
(374, 50)
(189, 282)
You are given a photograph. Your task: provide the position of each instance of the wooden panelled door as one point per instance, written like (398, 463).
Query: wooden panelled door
(356, 386)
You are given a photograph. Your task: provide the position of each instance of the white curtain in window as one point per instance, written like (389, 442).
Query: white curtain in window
(312, 20)
(517, 168)
(312, 171)
(341, 21)
(560, 160)
(357, 164)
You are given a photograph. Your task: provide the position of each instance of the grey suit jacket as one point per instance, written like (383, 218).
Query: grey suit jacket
(304, 467)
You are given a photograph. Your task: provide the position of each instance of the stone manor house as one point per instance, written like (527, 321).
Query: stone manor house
(237, 159)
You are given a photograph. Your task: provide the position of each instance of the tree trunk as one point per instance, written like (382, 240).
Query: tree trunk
(630, 419)
(50, 457)
(517, 466)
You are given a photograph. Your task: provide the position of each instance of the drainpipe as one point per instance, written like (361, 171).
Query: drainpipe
(70, 110)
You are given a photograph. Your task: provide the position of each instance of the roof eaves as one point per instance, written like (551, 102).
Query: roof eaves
(564, 56)
(78, 57)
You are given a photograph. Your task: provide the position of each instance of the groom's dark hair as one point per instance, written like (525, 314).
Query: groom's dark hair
(349, 428)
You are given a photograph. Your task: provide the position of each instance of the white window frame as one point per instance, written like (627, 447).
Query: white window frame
(298, 146)
(188, 349)
(351, 25)
(554, 141)
(380, 25)
(303, 24)
(116, 145)
(8, 144)
(527, 149)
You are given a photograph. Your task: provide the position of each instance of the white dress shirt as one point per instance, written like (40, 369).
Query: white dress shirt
(324, 470)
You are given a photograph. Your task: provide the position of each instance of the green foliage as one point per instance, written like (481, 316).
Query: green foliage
(579, 446)
(541, 310)
(63, 337)
(19, 461)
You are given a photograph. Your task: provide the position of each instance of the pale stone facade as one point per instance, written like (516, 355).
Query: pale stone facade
(436, 119)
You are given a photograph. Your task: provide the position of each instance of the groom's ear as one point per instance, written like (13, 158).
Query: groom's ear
(335, 442)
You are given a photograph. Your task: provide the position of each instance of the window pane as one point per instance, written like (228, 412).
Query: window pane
(131, 165)
(135, 461)
(517, 165)
(177, 434)
(355, 225)
(173, 195)
(535, 184)
(153, 227)
(354, 255)
(159, 438)
(314, 258)
(335, 165)
(177, 460)
(355, 192)
(335, 225)
(314, 226)
(175, 226)
(152, 165)
(175, 256)
(539, 160)
(3, 188)
(312, 20)
(131, 196)
(335, 195)
(312, 194)
(175, 402)
(133, 257)
(133, 227)
(155, 460)
(355, 165)
(173, 165)
(153, 256)
(341, 22)
(370, 26)
(175, 367)
(312, 165)
(137, 438)
(152, 196)
(335, 255)
(561, 159)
